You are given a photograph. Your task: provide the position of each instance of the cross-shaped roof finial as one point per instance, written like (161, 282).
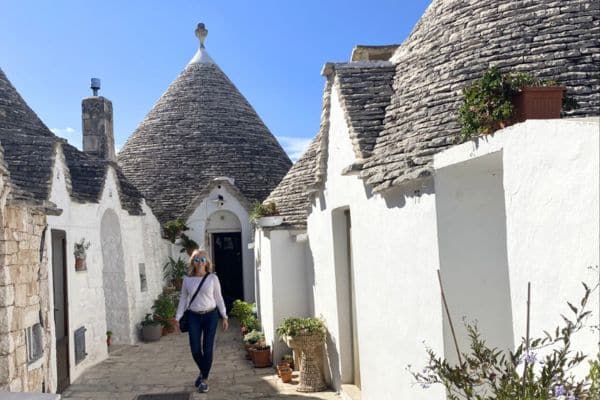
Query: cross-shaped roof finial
(201, 33)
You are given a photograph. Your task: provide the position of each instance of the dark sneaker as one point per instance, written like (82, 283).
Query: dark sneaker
(198, 380)
(203, 387)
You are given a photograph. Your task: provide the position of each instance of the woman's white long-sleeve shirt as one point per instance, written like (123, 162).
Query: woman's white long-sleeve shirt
(207, 298)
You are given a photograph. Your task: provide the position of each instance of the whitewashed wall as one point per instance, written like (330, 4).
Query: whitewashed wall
(521, 205)
(206, 219)
(550, 196)
(394, 251)
(394, 242)
(141, 243)
(285, 282)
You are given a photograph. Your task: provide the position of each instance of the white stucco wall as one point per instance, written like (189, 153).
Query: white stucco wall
(550, 181)
(141, 243)
(394, 262)
(521, 205)
(284, 277)
(206, 219)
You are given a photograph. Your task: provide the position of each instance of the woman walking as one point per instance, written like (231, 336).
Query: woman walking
(204, 313)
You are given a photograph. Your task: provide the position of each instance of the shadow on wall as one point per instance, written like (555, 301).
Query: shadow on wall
(397, 197)
(310, 279)
(322, 201)
(331, 363)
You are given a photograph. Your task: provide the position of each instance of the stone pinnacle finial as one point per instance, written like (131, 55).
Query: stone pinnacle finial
(201, 33)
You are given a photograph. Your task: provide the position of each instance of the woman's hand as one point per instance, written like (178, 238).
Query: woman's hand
(225, 324)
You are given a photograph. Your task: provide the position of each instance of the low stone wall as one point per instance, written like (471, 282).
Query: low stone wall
(23, 297)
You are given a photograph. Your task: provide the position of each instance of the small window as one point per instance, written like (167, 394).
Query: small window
(143, 281)
(34, 342)
(80, 352)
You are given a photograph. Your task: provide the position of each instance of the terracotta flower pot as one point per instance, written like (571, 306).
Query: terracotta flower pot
(248, 348)
(80, 264)
(281, 365)
(261, 357)
(286, 374)
(538, 102)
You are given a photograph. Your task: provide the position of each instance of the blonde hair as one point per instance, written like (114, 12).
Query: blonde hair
(199, 253)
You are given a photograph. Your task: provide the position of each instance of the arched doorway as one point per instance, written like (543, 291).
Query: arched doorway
(225, 233)
(113, 278)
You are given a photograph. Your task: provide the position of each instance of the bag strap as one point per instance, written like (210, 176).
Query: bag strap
(197, 290)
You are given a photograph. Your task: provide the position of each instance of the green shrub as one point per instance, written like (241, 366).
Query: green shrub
(260, 210)
(172, 229)
(488, 101)
(148, 320)
(173, 270)
(254, 337)
(164, 310)
(301, 326)
(241, 310)
(491, 374)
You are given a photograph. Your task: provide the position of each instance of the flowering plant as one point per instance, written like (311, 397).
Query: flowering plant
(490, 374)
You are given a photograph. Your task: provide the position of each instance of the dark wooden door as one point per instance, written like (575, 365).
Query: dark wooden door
(228, 265)
(61, 321)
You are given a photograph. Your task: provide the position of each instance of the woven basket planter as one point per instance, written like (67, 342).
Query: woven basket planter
(311, 372)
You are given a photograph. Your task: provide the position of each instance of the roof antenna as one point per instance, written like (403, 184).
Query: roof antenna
(95, 85)
(201, 33)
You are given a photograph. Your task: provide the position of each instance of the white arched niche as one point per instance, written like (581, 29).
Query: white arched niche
(113, 278)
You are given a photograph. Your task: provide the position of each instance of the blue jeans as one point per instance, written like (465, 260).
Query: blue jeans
(202, 337)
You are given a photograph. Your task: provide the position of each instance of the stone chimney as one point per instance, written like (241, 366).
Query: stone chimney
(97, 125)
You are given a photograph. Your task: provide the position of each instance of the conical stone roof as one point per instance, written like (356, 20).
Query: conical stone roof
(201, 128)
(29, 149)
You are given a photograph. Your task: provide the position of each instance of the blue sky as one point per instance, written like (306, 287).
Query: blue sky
(273, 52)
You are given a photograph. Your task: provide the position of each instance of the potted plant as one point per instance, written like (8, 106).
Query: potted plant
(244, 312)
(108, 338)
(174, 271)
(497, 100)
(172, 229)
(265, 214)
(306, 336)
(286, 362)
(261, 356)
(151, 329)
(164, 312)
(251, 340)
(79, 250)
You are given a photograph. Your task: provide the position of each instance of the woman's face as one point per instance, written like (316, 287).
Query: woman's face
(200, 261)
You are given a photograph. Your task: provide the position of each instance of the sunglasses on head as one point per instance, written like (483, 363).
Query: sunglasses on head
(199, 259)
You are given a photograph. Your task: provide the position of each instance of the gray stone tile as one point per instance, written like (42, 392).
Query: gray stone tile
(167, 366)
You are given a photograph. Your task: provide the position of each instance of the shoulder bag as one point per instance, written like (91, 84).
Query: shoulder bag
(184, 322)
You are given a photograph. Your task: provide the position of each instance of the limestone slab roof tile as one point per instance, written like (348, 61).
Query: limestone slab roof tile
(454, 43)
(201, 128)
(29, 151)
(293, 194)
(364, 89)
(396, 135)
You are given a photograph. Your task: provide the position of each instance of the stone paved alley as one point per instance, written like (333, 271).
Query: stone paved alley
(167, 367)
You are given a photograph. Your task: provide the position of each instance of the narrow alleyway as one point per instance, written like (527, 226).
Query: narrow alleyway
(167, 367)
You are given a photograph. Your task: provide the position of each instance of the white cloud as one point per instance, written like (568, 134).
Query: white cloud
(72, 136)
(294, 146)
